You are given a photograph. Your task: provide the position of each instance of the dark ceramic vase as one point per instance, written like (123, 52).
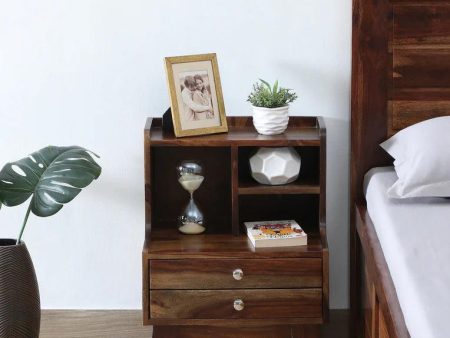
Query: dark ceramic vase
(20, 310)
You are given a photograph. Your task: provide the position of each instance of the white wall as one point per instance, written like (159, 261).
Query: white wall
(89, 73)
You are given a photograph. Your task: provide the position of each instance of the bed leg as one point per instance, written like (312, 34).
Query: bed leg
(355, 328)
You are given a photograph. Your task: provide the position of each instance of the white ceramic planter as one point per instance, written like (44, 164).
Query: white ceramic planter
(271, 121)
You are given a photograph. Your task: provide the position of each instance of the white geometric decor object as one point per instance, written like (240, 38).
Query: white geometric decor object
(275, 166)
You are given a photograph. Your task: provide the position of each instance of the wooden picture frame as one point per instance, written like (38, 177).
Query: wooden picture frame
(195, 95)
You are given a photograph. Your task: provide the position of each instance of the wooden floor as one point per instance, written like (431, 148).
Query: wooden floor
(93, 324)
(127, 324)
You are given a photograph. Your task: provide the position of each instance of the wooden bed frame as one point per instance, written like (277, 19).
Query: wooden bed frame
(400, 76)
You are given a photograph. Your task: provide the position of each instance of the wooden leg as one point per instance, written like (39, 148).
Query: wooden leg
(233, 332)
(356, 323)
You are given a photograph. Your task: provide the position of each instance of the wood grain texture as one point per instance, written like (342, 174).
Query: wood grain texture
(218, 274)
(368, 304)
(301, 131)
(325, 282)
(378, 274)
(322, 170)
(323, 217)
(235, 322)
(382, 327)
(147, 172)
(300, 186)
(235, 190)
(170, 244)
(418, 2)
(421, 68)
(424, 25)
(371, 60)
(93, 324)
(148, 213)
(145, 288)
(218, 304)
(181, 269)
(400, 76)
(418, 94)
(407, 113)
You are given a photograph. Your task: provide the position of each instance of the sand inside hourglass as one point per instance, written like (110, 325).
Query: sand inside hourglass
(191, 228)
(191, 182)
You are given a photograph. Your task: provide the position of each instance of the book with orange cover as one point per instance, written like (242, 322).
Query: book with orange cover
(269, 234)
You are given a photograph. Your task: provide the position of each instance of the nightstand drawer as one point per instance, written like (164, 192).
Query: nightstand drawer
(236, 304)
(235, 274)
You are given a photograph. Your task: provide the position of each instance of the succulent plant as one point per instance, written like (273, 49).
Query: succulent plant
(267, 96)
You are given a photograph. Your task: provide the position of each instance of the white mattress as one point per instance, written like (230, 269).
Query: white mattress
(415, 237)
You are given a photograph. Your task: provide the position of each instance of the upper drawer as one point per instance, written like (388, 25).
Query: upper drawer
(235, 274)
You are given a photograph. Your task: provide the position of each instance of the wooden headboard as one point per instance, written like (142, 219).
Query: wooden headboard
(400, 76)
(401, 73)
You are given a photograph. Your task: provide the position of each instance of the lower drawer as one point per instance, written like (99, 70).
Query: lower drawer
(236, 304)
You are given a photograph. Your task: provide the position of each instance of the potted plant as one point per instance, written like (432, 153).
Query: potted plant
(52, 177)
(270, 107)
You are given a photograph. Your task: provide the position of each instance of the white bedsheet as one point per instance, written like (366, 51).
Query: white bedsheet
(415, 237)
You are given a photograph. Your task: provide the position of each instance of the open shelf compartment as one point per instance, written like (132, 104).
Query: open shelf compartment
(213, 197)
(306, 183)
(229, 195)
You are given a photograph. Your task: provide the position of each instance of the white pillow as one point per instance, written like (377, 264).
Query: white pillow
(422, 159)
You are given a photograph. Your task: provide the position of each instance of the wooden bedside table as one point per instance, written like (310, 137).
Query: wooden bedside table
(216, 284)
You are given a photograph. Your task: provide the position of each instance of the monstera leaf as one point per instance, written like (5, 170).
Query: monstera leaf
(53, 176)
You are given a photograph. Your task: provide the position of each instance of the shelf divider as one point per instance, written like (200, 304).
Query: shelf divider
(235, 190)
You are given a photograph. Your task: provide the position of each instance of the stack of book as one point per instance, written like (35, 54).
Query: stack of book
(270, 234)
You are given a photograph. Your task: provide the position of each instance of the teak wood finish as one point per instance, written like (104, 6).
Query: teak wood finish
(259, 304)
(259, 273)
(400, 76)
(188, 283)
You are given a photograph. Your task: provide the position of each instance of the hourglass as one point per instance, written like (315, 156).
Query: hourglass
(191, 176)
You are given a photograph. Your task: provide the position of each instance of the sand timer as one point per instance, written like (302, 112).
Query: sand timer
(191, 176)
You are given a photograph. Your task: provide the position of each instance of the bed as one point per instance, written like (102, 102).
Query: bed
(413, 232)
(400, 76)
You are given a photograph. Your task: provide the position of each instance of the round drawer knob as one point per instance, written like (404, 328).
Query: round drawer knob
(238, 305)
(238, 274)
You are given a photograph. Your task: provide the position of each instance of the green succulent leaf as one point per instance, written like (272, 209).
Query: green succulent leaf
(54, 176)
(269, 87)
(275, 87)
(265, 95)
